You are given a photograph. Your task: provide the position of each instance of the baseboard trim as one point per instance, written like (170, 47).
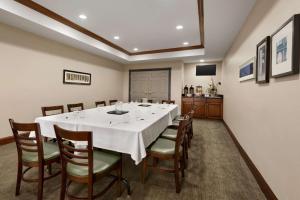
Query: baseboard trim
(257, 175)
(7, 140)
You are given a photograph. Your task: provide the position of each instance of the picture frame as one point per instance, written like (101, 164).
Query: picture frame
(247, 70)
(263, 59)
(285, 48)
(77, 78)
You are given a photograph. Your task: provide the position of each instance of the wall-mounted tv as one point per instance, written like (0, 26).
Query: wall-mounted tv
(205, 70)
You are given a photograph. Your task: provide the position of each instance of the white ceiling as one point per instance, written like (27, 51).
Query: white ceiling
(144, 24)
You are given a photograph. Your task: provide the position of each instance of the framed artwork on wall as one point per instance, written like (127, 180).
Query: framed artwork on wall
(286, 48)
(263, 61)
(247, 70)
(78, 78)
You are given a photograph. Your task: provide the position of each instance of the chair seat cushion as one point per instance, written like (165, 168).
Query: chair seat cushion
(163, 146)
(102, 161)
(51, 151)
(170, 134)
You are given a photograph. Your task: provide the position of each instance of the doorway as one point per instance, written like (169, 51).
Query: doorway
(153, 84)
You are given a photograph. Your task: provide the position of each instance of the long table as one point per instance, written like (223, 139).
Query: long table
(130, 133)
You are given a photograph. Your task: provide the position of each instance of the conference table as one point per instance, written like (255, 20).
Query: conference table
(129, 133)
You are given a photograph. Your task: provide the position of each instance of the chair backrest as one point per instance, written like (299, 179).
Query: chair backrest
(168, 101)
(76, 156)
(75, 107)
(24, 143)
(113, 102)
(100, 103)
(53, 110)
(182, 130)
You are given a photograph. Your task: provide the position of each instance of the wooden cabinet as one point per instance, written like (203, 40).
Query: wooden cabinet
(210, 108)
(214, 108)
(199, 107)
(186, 105)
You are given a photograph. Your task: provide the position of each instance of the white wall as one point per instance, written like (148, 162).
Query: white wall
(176, 77)
(190, 77)
(265, 118)
(31, 75)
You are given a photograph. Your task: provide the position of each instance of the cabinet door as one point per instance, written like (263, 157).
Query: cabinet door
(199, 107)
(186, 107)
(214, 111)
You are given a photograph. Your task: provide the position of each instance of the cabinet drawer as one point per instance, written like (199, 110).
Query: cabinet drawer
(214, 100)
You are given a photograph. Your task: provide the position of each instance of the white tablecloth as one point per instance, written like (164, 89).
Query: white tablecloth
(130, 133)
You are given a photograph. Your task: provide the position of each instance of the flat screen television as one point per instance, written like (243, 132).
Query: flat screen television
(205, 70)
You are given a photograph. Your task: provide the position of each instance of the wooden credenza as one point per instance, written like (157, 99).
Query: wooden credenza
(205, 107)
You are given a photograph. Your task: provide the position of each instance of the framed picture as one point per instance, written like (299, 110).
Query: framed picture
(263, 61)
(285, 48)
(79, 78)
(247, 70)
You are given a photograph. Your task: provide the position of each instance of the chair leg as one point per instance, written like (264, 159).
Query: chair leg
(49, 169)
(144, 170)
(119, 173)
(182, 164)
(19, 177)
(176, 176)
(41, 182)
(90, 191)
(63, 185)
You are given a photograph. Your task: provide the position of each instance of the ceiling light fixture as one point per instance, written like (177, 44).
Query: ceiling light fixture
(179, 27)
(202, 60)
(116, 37)
(82, 16)
(135, 49)
(185, 43)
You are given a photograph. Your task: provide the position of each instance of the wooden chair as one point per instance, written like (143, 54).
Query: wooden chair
(168, 101)
(113, 102)
(85, 166)
(164, 149)
(33, 152)
(100, 103)
(58, 109)
(175, 125)
(53, 110)
(75, 107)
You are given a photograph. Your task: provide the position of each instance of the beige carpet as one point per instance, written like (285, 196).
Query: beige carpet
(216, 171)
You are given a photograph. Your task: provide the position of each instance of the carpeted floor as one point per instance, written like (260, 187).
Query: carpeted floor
(216, 171)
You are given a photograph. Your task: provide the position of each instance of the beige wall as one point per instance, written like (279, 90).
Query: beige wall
(265, 118)
(190, 77)
(31, 76)
(176, 77)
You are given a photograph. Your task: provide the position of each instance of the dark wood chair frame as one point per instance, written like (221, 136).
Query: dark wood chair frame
(45, 109)
(178, 158)
(112, 102)
(31, 144)
(52, 108)
(75, 105)
(168, 101)
(67, 154)
(97, 103)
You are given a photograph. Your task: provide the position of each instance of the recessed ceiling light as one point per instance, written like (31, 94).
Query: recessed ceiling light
(185, 43)
(179, 27)
(202, 60)
(135, 49)
(82, 16)
(116, 37)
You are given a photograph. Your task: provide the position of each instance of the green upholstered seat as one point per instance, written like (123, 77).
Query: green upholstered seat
(170, 134)
(50, 151)
(102, 161)
(163, 146)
